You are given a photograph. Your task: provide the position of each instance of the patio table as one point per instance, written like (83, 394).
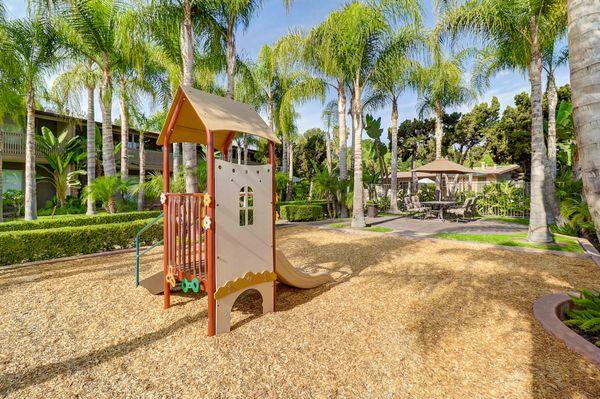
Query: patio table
(440, 205)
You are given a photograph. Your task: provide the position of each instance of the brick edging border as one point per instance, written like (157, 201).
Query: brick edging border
(547, 310)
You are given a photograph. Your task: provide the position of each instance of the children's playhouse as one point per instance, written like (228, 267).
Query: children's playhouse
(222, 242)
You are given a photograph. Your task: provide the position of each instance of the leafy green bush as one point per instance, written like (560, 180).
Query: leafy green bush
(15, 199)
(426, 192)
(72, 206)
(76, 220)
(322, 203)
(502, 199)
(30, 245)
(586, 314)
(297, 213)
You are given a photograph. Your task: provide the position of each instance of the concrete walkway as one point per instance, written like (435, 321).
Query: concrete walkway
(406, 225)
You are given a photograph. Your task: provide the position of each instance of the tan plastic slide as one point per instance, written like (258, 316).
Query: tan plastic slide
(286, 273)
(289, 275)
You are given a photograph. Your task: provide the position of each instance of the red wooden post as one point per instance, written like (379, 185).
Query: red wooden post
(210, 233)
(273, 210)
(166, 219)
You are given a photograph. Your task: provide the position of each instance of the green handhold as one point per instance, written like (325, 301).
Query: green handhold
(185, 285)
(195, 285)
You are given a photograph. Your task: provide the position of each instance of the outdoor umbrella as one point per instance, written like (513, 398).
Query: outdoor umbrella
(441, 166)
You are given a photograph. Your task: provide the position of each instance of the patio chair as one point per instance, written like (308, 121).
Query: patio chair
(467, 209)
(414, 206)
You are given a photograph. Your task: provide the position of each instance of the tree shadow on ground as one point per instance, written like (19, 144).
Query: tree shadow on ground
(11, 382)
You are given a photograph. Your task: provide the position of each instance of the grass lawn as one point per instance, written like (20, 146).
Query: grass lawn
(562, 243)
(337, 225)
(379, 229)
(508, 219)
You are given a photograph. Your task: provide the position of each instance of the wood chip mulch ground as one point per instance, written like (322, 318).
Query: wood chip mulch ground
(405, 318)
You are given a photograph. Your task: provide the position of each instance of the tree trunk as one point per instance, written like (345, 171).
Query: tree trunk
(439, 130)
(91, 148)
(328, 151)
(245, 140)
(551, 199)
(284, 153)
(1, 177)
(358, 215)
(176, 159)
(343, 150)
(394, 168)
(190, 156)
(239, 153)
(124, 128)
(142, 152)
(538, 227)
(288, 189)
(30, 188)
(352, 132)
(230, 59)
(584, 64)
(108, 147)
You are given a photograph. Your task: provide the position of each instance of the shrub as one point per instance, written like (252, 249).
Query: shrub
(30, 245)
(76, 220)
(105, 189)
(321, 203)
(15, 199)
(586, 315)
(297, 213)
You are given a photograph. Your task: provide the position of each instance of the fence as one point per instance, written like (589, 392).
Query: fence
(507, 198)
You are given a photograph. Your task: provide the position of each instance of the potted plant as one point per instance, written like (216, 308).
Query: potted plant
(372, 208)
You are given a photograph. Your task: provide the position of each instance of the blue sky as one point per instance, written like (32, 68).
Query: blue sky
(273, 21)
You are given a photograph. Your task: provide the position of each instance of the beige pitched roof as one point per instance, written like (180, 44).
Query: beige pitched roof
(497, 169)
(443, 165)
(200, 111)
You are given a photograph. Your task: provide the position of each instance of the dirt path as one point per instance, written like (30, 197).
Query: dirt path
(404, 318)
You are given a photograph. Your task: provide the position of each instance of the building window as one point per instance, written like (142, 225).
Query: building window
(13, 180)
(246, 206)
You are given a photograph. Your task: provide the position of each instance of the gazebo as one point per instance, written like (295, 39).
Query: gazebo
(444, 166)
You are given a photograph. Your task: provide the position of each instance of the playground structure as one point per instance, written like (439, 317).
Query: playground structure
(221, 242)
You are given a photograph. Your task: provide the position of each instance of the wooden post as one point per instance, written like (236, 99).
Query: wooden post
(210, 233)
(273, 211)
(166, 219)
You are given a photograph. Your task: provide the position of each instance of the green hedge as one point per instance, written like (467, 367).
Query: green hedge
(297, 213)
(30, 245)
(76, 220)
(322, 203)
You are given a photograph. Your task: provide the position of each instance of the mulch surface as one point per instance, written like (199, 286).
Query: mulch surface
(404, 318)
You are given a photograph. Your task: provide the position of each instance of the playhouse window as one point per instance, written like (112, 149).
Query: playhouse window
(246, 206)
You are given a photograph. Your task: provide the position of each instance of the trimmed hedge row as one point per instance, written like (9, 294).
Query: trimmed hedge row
(30, 245)
(322, 203)
(298, 213)
(76, 220)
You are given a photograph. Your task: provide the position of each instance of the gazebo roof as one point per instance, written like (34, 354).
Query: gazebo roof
(443, 165)
(200, 111)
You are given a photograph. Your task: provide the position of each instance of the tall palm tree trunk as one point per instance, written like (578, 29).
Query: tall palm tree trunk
(343, 150)
(328, 151)
(190, 157)
(584, 61)
(284, 153)
(1, 176)
(90, 147)
(140, 199)
(394, 166)
(439, 137)
(538, 226)
(124, 128)
(551, 199)
(230, 60)
(108, 154)
(176, 158)
(30, 188)
(288, 189)
(358, 215)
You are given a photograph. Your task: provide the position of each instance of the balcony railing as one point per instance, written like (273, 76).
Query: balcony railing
(14, 147)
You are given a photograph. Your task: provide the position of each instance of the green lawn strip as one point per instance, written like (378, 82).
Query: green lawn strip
(562, 243)
(379, 229)
(508, 219)
(337, 225)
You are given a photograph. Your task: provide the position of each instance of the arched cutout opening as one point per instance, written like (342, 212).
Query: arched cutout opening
(247, 307)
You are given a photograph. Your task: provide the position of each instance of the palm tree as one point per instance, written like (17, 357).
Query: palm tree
(583, 37)
(99, 30)
(106, 189)
(518, 31)
(32, 45)
(66, 89)
(329, 114)
(390, 80)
